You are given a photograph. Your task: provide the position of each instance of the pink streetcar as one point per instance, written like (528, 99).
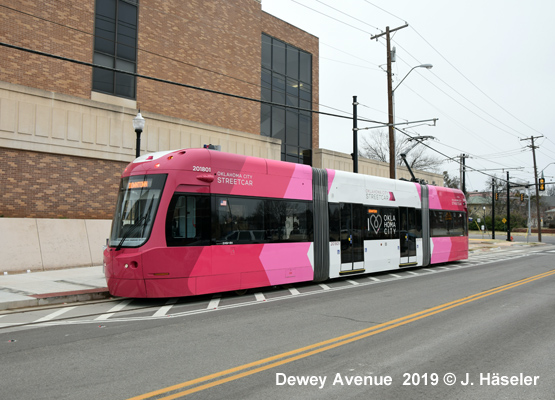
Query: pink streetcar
(199, 221)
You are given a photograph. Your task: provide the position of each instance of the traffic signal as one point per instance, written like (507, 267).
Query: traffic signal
(522, 197)
(542, 185)
(496, 196)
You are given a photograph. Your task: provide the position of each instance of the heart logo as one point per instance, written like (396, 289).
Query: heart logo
(376, 222)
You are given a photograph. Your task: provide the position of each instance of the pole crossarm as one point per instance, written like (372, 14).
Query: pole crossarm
(399, 123)
(390, 30)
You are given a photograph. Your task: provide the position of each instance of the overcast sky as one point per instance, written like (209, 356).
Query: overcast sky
(491, 84)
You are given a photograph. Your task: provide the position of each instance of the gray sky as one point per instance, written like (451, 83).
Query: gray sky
(490, 86)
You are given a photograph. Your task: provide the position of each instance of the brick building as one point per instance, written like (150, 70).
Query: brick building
(66, 126)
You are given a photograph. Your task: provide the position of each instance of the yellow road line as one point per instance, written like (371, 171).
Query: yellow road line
(290, 356)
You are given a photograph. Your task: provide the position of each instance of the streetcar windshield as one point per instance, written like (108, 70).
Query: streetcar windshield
(138, 200)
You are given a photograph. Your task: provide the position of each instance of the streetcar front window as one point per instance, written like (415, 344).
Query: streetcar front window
(138, 200)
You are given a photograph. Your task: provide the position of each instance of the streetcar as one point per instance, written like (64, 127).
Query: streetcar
(198, 221)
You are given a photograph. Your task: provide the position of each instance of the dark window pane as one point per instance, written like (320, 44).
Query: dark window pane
(305, 141)
(447, 223)
(292, 151)
(265, 120)
(306, 92)
(125, 85)
(293, 62)
(105, 32)
(278, 97)
(278, 123)
(126, 43)
(287, 65)
(335, 229)
(266, 81)
(305, 67)
(278, 82)
(115, 16)
(291, 158)
(266, 94)
(266, 51)
(278, 88)
(288, 220)
(292, 128)
(278, 56)
(106, 8)
(127, 13)
(103, 80)
(238, 220)
(305, 131)
(188, 221)
(292, 101)
(292, 87)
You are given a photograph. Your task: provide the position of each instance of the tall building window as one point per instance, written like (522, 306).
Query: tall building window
(115, 46)
(287, 79)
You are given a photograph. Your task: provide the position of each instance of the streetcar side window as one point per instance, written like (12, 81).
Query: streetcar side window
(288, 220)
(244, 220)
(335, 227)
(238, 220)
(447, 223)
(188, 220)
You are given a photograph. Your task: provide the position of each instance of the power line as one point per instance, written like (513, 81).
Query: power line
(36, 52)
(473, 84)
(348, 15)
(326, 15)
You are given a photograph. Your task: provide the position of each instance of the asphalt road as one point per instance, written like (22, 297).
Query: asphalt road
(464, 331)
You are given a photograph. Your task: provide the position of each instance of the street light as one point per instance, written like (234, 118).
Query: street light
(391, 103)
(427, 66)
(546, 167)
(138, 125)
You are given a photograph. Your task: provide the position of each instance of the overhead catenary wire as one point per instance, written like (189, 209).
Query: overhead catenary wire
(252, 83)
(258, 85)
(36, 52)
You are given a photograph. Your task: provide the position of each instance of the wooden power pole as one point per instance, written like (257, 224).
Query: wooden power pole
(392, 157)
(531, 138)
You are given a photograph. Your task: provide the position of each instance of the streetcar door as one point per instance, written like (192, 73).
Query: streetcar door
(352, 245)
(407, 236)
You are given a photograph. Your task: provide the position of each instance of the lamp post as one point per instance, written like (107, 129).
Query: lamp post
(391, 104)
(546, 168)
(485, 226)
(138, 125)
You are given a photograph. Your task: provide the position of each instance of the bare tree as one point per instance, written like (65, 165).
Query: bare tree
(376, 147)
(450, 182)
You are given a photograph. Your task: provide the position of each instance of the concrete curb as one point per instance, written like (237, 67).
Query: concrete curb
(46, 299)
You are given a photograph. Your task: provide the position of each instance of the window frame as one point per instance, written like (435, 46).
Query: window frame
(287, 87)
(121, 84)
(440, 227)
(201, 222)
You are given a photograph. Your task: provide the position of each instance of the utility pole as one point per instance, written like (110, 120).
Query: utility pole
(463, 172)
(355, 136)
(392, 159)
(508, 208)
(531, 138)
(492, 207)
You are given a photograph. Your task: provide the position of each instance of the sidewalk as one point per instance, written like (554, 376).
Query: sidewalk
(88, 283)
(52, 287)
